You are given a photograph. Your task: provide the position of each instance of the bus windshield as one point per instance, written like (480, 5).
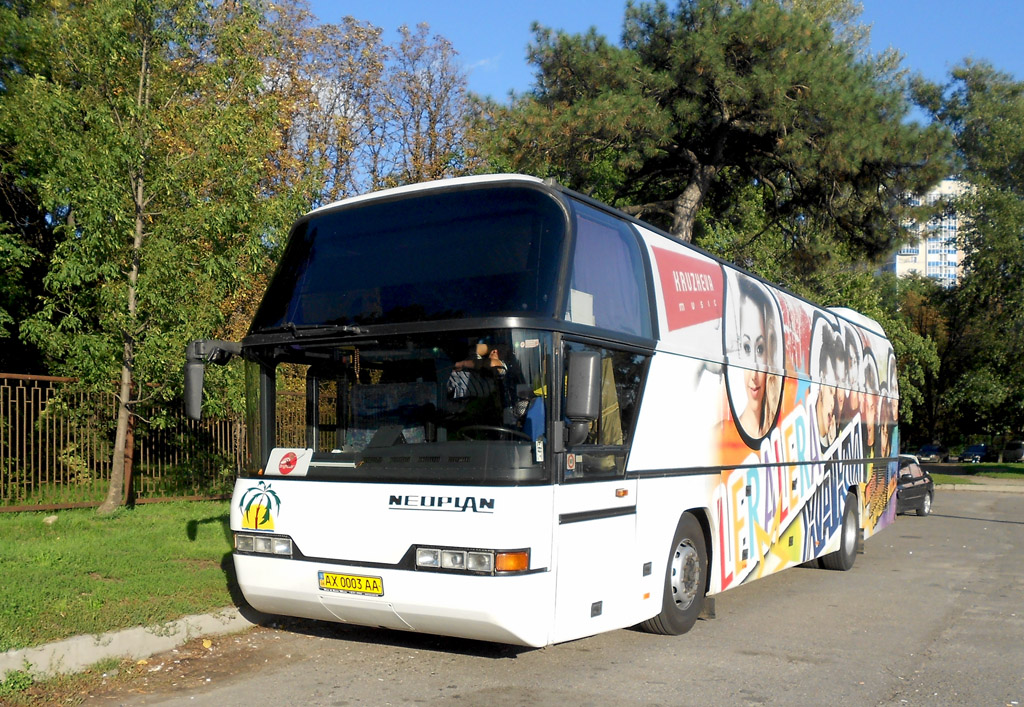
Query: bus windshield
(442, 255)
(443, 407)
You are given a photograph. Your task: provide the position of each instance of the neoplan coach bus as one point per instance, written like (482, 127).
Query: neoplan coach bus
(492, 408)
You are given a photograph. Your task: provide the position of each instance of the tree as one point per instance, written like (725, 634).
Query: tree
(362, 114)
(716, 98)
(168, 146)
(150, 135)
(26, 235)
(981, 383)
(429, 108)
(355, 114)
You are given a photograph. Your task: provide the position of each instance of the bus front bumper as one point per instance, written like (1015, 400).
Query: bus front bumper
(515, 609)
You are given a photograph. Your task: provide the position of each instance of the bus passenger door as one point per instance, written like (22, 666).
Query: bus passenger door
(598, 573)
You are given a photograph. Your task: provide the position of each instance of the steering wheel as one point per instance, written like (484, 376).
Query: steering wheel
(497, 429)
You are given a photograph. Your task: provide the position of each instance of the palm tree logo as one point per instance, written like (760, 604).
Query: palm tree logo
(256, 505)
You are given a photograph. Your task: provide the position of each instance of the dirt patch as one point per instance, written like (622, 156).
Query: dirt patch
(191, 666)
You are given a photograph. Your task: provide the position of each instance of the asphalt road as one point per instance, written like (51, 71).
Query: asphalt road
(932, 614)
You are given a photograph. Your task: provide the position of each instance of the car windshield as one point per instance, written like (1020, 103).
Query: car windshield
(455, 407)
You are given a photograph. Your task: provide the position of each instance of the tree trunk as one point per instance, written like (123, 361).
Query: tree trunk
(687, 204)
(122, 452)
(124, 446)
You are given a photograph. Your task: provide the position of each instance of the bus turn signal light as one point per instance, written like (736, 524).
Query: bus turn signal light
(512, 561)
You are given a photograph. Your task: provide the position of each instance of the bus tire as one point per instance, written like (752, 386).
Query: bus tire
(843, 558)
(685, 581)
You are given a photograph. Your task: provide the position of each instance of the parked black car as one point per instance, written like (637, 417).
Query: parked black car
(915, 489)
(974, 454)
(932, 453)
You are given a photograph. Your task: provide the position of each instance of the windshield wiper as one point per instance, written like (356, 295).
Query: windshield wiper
(304, 330)
(324, 329)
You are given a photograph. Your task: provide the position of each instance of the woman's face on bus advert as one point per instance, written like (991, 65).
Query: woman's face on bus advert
(826, 407)
(752, 357)
(753, 354)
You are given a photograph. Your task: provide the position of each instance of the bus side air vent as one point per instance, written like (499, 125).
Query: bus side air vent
(372, 460)
(429, 460)
(401, 460)
(458, 460)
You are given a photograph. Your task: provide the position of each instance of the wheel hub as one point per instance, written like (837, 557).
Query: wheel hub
(685, 575)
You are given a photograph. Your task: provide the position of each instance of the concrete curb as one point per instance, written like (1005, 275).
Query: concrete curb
(75, 654)
(1000, 488)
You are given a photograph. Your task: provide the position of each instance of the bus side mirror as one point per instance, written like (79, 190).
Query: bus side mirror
(583, 394)
(194, 371)
(196, 355)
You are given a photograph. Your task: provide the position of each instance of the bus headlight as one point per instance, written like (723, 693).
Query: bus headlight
(428, 557)
(472, 561)
(480, 562)
(279, 545)
(453, 559)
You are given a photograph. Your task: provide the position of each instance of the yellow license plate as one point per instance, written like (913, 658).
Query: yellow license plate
(351, 583)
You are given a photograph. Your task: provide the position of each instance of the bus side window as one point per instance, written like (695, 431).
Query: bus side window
(603, 453)
(609, 287)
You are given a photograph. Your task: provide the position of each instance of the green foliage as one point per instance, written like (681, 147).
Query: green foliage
(15, 682)
(147, 140)
(85, 574)
(15, 259)
(979, 392)
(25, 235)
(711, 99)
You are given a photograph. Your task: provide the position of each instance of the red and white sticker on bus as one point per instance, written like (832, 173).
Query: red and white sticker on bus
(691, 287)
(288, 462)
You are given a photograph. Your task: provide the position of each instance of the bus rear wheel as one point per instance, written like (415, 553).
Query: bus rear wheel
(843, 558)
(685, 581)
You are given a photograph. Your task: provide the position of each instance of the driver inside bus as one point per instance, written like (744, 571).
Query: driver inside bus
(475, 376)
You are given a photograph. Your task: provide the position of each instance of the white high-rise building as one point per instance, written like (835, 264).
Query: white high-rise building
(935, 253)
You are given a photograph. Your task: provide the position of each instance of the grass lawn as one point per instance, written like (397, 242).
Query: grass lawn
(964, 472)
(941, 479)
(998, 471)
(83, 574)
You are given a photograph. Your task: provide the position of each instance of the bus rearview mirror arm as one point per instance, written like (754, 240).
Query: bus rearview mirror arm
(197, 355)
(583, 394)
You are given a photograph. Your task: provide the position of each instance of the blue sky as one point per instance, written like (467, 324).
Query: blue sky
(491, 36)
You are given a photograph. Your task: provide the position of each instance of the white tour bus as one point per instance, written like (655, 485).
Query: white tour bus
(493, 408)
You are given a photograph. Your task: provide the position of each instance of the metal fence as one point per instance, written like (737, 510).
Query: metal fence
(56, 448)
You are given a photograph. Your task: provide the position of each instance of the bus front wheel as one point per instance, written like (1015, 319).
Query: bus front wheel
(685, 581)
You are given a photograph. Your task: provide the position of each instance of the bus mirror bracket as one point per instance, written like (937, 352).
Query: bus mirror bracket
(197, 355)
(583, 394)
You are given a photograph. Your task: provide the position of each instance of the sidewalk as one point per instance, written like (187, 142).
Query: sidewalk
(972, 482)
(75, 654)
(981, 483)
